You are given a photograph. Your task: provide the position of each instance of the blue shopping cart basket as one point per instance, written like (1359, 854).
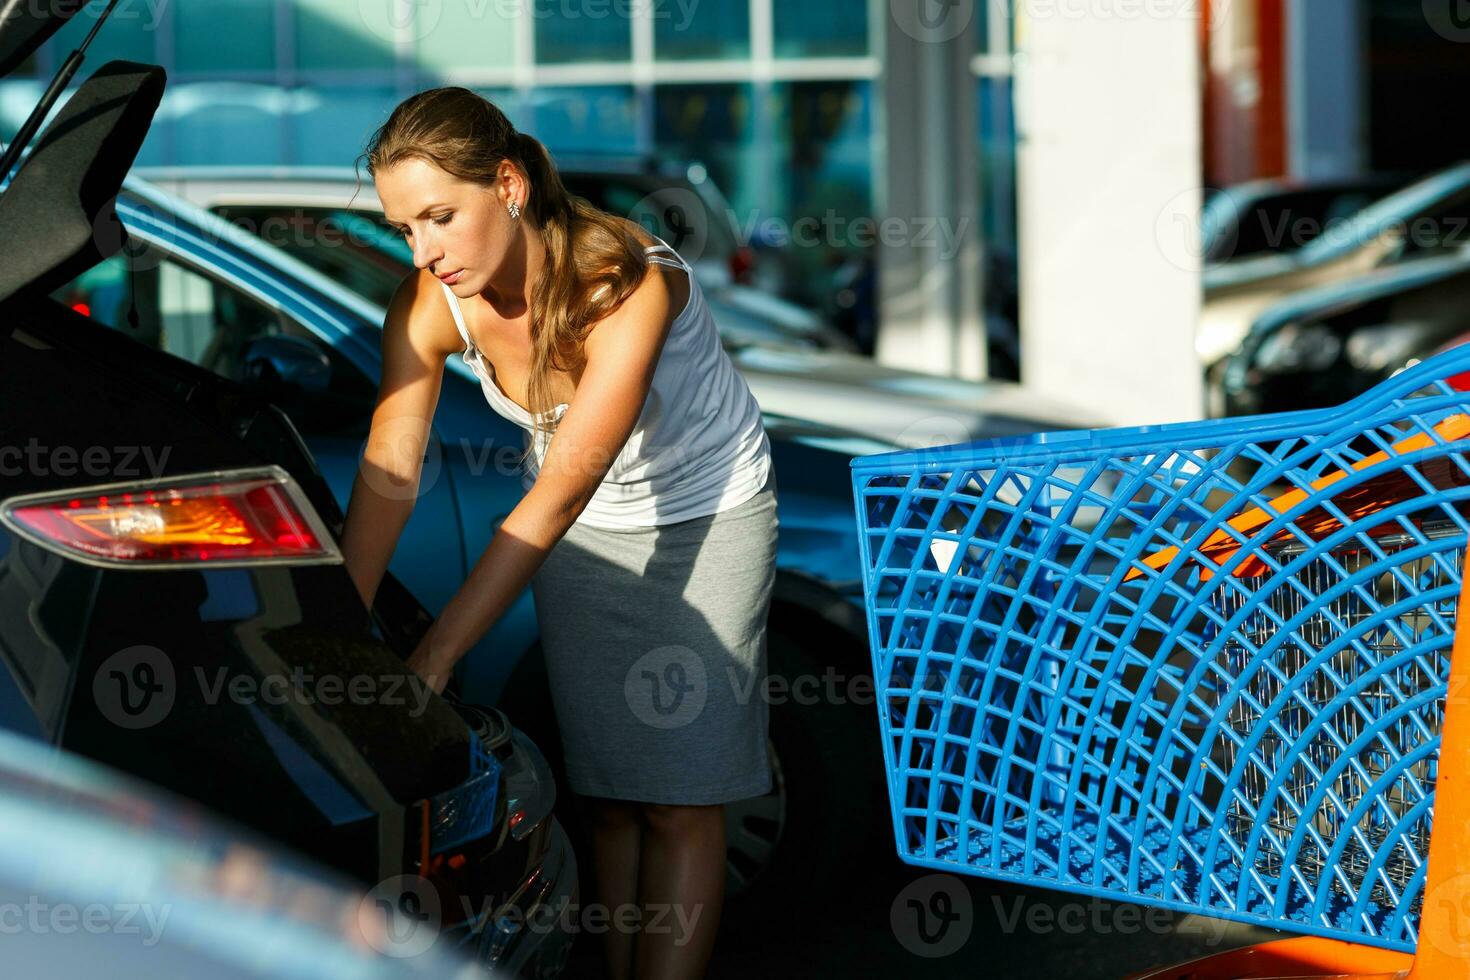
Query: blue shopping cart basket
(1199, 666)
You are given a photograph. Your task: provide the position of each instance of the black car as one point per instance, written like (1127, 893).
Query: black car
(1326, 346)
(173, 601)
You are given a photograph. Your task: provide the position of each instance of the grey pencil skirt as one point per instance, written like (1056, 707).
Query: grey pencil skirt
(655, 644)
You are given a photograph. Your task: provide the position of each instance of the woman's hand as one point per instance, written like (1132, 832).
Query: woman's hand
(434, 673)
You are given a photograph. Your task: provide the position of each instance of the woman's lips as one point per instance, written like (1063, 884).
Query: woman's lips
(450, 280)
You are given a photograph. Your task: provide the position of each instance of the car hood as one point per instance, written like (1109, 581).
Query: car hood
(1378, 284)
(906, 408)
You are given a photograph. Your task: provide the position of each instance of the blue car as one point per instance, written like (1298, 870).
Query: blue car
(193, 285)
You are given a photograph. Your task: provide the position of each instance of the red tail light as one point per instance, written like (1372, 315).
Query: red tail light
(236, 517)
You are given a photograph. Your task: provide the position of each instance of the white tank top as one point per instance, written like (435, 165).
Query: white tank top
(699, 446)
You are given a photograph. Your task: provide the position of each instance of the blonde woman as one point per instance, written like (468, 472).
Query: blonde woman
(648, 529)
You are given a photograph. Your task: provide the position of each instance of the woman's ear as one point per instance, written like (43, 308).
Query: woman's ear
(513, 184)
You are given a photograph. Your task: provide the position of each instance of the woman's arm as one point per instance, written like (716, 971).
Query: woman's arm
(386, 485)
(622, 353)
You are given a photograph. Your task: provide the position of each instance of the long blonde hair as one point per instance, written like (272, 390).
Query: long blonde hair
(467, 136)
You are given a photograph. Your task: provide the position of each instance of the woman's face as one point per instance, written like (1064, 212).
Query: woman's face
(452, 225)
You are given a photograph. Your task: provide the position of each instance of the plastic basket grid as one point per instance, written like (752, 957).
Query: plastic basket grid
(1198, 666)
(466, 812)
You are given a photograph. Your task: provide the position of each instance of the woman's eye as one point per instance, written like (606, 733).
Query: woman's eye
(444, 220)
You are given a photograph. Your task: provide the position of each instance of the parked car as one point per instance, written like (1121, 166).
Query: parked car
(174, 600)
(1282, 214)
(300, 208)
(209, 293)
(305, 211)
(1429, 217)
(98, 868)
(1325, 346)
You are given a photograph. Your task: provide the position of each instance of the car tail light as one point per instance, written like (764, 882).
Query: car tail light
(236, 517)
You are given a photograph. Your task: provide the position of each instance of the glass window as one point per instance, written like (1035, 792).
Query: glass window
(178, 311)
(354, 249)
(507, 101)
(675, 209)
(227, 122)
(130, 33)
(345, 34)
(993, 32)
(808, 30)
(465, 34)
(711, 124)
(209, 324)
(333, 125)
(588, 30)
(1000, 302)
(599, 118)
(225, 35)
(701, 30)
(824, 132)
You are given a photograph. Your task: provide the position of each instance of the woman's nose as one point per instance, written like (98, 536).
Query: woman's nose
(425, 255)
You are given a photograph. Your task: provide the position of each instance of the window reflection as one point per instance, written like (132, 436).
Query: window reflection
(806, 30)
(569, 32)
(701, 30)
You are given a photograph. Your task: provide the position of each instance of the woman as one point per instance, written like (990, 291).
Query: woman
(648, 529)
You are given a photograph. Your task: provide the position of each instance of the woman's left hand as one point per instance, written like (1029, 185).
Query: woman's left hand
(434, 674)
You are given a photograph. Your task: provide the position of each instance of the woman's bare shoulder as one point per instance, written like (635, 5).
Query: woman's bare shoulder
(419, 313)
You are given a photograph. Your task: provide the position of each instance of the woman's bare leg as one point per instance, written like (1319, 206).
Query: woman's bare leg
(681, 886)
(617, 827)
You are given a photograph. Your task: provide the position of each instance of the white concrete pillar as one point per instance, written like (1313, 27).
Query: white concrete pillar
(1108, 185)
(929, 264)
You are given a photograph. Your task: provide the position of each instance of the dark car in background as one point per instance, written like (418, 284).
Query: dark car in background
(298, 207)
(173, 601)
(1426, 219)
(790, 369)
(1282, 214)
(1325, 346)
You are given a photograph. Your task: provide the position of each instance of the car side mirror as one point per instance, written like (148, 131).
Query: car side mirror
(279, 362)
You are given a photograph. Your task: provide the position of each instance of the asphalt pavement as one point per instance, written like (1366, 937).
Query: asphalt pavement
(903, 922)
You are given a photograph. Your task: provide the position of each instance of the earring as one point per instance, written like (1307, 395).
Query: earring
(515, 210)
